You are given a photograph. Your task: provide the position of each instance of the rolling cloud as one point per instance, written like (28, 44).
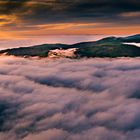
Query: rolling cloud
(69, 99)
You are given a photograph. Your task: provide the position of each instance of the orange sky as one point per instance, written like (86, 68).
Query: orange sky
(68, 29)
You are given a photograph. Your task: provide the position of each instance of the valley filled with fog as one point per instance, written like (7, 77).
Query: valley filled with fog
(69, 99)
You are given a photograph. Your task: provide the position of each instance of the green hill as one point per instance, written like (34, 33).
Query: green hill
(39, 50)
(109, 47)
(106, 47)
(109, 50)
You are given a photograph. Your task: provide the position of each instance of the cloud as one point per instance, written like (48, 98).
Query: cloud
(69, 99)
(53, 134)
(26, 19)
(11, 6)
(34, 12)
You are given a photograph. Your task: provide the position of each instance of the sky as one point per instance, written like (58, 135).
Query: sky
(39, 18)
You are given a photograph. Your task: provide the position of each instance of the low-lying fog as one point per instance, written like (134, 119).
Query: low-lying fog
(136, 44)
(69, 99)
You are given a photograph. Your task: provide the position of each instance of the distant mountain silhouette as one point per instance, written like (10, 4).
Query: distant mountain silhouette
(106, 47)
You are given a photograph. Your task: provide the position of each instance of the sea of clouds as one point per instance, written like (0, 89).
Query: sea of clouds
(87, 99)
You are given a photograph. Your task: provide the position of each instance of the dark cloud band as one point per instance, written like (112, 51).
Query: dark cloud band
(57, 11)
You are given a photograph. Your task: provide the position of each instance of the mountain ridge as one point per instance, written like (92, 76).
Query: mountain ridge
(106, 47)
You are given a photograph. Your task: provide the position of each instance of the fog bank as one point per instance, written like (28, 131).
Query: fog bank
(69, 99)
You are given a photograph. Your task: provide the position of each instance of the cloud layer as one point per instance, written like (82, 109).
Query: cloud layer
(69, 99)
